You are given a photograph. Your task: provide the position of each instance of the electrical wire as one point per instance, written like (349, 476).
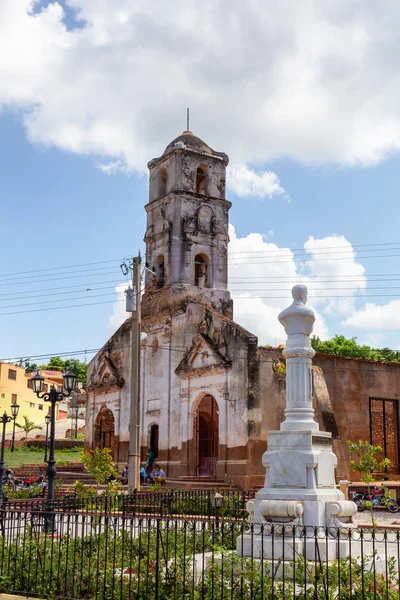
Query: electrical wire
(185, 350)
(117, 261)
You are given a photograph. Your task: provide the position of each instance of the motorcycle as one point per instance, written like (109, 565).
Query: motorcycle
(378, 498)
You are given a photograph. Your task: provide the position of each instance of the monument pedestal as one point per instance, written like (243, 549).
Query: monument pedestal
(299, 500)
(299, 511)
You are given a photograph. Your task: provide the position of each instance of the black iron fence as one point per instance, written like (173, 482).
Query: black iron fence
(170, 503)
(108, 557)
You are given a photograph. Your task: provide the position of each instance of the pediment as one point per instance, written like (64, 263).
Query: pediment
(106, 375)
(203, 355)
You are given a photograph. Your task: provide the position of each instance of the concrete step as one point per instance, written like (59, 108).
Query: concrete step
(198, 483)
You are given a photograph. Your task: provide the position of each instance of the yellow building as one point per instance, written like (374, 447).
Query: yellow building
(16, 388)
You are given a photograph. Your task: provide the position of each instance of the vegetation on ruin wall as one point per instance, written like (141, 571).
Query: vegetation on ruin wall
(112, 564)
(342, 346)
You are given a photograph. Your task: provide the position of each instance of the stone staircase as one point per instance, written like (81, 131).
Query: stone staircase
(198, 483)
(68, 474)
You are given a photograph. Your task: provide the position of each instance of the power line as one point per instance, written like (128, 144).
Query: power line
(23, 281)
(19, 312)
(58, 300)
(185, 350)
(60, 268)
(57, 293)
(32, 277)
(323, 248)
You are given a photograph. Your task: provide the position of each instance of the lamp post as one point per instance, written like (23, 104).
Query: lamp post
(14, 413)
(217, 502)
(47, 420)
(76, 410)
(53, 396)
(4, 419)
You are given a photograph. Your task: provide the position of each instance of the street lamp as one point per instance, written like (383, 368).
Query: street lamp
(4, 419)
(53, 396)
(217, 502)
(74, 408)
(14, 413)
(47, 420)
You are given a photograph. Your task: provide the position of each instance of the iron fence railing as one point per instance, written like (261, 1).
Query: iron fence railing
(111, 557)
(169, 503)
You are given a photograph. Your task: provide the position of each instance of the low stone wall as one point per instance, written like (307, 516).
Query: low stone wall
(62, 444)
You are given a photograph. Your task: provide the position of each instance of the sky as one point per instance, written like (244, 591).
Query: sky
(302, 96)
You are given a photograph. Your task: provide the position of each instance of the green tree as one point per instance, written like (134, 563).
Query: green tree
(58, 364)
(100, 464)
(367, 460)
(342, 346)
(28, 426)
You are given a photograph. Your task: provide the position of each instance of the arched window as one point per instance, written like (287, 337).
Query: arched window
(162, 182)
(201, 180)
(160, 272)
(154, 439)
(201, 271)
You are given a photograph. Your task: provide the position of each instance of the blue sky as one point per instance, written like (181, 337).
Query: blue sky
(90, 95)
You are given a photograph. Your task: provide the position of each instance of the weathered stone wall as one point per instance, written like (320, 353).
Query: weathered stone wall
(343, 388)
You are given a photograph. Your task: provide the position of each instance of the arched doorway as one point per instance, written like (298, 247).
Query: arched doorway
(104, 429)
(207, 436)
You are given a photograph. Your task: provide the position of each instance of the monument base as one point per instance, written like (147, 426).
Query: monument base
(299, 501)
(290, 548)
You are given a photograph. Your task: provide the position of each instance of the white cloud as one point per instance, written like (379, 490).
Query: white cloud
(335, 272)
(113, 167)
(246, 182)
(119, 314)
(375, 316)
(315, 81)
(261, 276)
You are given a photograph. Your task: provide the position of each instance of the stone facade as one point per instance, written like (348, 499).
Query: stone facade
(209, 394)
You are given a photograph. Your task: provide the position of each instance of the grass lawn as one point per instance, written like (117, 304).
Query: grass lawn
(22, 456)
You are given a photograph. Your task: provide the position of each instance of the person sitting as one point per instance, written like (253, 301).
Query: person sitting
(158, 475)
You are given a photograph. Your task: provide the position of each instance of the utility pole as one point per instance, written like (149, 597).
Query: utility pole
(134, 421)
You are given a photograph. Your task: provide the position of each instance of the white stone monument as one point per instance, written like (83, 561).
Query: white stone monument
(300, 488)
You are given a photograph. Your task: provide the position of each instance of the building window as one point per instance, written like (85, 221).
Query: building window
(162, 182)
(3, 395)
(31, 405)
(384, 429)
(40, 406)
(12, 374)
(201, 180)
(29, 384)
(13, 398)
(45, 388)
(200, 271)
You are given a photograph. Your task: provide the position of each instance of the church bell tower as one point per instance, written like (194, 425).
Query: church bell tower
(187, 227)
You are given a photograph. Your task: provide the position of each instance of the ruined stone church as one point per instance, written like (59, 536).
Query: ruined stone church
(209, 393)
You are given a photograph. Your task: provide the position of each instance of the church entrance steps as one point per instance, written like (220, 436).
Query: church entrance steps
(198, 483)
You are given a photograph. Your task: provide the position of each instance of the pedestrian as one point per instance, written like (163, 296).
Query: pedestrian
(124, 476)
(149, 461)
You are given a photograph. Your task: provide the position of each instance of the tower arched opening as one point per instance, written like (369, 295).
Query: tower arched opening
(160, 272)
(201, 271)
(162, 182)
(201, 181)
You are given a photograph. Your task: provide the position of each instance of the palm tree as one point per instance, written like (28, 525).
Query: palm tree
(28, 426)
